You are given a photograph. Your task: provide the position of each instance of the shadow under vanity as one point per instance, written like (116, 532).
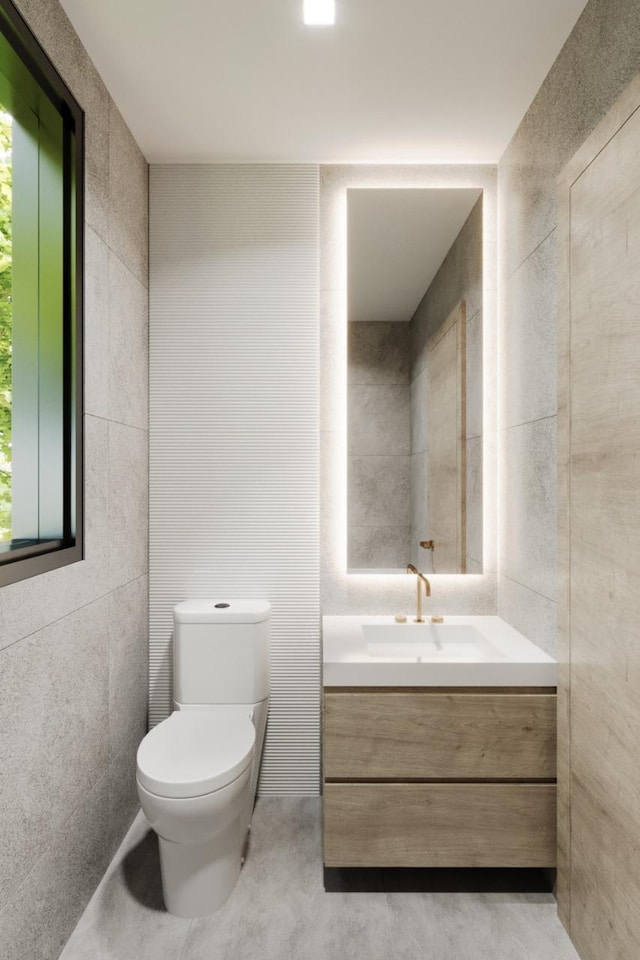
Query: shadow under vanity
(437, 757)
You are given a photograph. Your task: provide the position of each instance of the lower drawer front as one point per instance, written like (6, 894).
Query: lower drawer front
(439, 825)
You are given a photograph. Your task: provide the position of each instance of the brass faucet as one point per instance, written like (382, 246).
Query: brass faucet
(427, 591)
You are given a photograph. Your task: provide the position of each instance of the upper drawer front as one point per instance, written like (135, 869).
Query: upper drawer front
(439, 736)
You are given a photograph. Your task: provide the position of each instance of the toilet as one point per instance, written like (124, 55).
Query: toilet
(197, 771)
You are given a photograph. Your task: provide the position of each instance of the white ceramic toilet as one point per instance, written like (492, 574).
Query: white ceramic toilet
(197, 771)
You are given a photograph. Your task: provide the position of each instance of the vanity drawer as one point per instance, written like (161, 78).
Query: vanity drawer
(439, 825)
(384, 735)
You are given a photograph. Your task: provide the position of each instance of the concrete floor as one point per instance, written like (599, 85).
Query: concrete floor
(280, 910)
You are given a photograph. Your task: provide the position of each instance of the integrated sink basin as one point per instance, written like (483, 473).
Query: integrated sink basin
(461, 643)
(362, 651)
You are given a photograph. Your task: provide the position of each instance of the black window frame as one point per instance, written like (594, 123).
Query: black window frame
(20, 563)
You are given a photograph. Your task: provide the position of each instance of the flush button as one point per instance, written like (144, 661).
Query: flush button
(221, 606)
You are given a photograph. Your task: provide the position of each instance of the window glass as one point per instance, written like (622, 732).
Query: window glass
(40, 309)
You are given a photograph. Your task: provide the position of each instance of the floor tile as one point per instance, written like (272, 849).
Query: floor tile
(281, 911)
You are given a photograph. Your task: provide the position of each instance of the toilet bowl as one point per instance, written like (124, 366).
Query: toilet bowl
(194, 784)
(197, 770)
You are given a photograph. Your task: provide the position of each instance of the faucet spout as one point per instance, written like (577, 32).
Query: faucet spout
(427, 591)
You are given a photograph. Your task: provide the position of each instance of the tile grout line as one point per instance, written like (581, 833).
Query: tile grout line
(525, 423)
(64, 616)
(525, 587)
(120, 423)
(530, 254)
(47, 849)
(183, 949)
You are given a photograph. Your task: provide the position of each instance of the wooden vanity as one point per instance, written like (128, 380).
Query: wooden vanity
(439, 777)
(432, 774)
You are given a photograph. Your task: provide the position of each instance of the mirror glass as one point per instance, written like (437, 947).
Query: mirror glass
(414, 371)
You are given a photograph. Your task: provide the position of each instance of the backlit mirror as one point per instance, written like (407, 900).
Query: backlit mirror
(414, 380)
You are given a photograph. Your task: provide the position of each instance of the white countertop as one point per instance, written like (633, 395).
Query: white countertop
(508, 658)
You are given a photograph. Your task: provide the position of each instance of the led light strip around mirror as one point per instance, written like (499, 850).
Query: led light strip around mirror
(343, 591)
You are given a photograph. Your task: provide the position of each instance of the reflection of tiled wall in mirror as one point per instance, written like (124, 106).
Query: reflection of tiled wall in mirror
(378, 445)
(460, 278)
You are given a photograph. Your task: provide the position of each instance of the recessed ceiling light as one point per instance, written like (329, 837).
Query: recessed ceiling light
(319, 12)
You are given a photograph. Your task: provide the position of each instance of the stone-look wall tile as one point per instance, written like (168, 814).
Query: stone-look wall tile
(96, 207)
(128, 503)
(529, 341)
(128, 346)
(96, 325)
(126, 919)
(420, 413)
(64, 807)
(378, 491)
(474, 498)
(333, 523)
(128, 198)
(124, 803)
(54, 721)
(29, 605)
(382, 548)
(378, 352)
(474, 376)
(95, 102)
(397, 594)
(459, 278)
(533, 615)
(597, 62)
(63, 46)
(54, 32)
(96, 503)
(43, 911)
(378, 421)
(420, 495)
(127, 664)
(528, 530)
(420, 332)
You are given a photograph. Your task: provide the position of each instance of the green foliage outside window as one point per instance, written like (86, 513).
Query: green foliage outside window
(5, 325)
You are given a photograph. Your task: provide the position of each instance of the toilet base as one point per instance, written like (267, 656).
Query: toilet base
(197, 878)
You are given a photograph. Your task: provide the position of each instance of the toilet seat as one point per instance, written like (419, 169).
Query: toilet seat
(193, 753)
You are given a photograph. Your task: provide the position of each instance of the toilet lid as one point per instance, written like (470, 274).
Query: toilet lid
(194, 752)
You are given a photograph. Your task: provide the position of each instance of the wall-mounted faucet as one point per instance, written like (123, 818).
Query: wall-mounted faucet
(427, 591)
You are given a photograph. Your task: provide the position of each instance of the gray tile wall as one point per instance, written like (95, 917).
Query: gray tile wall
(459, 278)
(378, 445)
(73, 643)
(597, 62)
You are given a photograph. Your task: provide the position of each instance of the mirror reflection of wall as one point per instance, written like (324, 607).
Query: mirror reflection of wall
(414, 440)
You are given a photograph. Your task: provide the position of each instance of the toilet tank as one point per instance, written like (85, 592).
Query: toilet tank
(221, 651)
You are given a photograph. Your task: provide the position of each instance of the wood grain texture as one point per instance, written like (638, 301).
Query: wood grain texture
(439, 825)
(599, 529)
(447, 469)
(404, 736)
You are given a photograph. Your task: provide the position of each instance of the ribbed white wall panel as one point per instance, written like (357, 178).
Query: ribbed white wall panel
(234, 427)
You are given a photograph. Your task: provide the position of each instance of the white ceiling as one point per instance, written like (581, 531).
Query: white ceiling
(397, 240)
(394, 81)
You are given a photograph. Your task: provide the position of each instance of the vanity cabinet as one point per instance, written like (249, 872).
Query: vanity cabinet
(435, 777)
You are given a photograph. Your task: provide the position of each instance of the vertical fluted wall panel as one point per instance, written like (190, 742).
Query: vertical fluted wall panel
(234, 427)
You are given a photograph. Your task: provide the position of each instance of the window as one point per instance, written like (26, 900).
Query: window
(41, 240)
